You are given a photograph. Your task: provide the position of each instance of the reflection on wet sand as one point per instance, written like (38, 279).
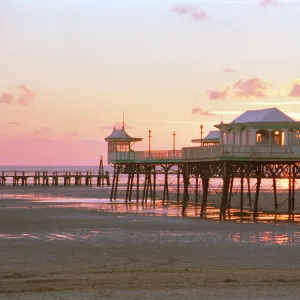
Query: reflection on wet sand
(159, 208)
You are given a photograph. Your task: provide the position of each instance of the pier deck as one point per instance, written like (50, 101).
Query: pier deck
(54, 178)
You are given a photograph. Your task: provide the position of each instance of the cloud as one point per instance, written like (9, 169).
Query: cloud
(6, 98)
(190, 10)
(117, 125)
(13, 123)
(253, 87)
(267, 3)
(43, 131)
(26, 96)
(295, 91)
(202, 112)
(228, 70)
(217, 94)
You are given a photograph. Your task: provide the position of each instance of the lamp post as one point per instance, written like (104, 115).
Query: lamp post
(174, 136)
(149, 136)
(201, 134)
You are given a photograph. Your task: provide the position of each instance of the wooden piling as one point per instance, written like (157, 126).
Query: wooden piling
(205, 185)
(185, 188)
(242, 196)
(255, 209)
(178, 184)
(224, 199)
(275, 195)
(230, 196)
(196, 188)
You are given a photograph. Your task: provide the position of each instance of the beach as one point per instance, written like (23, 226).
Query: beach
(56, 248)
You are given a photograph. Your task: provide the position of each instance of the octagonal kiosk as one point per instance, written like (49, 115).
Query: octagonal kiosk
(119, 146)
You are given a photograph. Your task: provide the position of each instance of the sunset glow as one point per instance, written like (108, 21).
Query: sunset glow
(71, 68)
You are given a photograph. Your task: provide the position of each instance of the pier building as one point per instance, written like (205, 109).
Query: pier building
(259, 144)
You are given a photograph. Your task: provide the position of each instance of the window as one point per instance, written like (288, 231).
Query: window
(258, 138)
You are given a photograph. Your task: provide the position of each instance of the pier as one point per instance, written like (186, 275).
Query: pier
(257, 146)
(56, 178)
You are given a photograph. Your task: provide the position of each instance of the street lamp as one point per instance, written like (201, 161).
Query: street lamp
(201, 134)
(174, 135)
(149, 136)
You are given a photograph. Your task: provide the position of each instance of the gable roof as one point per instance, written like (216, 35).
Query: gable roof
(121, 135)
(262, 115)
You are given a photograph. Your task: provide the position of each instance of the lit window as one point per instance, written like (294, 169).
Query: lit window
(258, 138)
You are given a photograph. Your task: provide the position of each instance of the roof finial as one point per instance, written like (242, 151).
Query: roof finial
(221, 117)
(123, 123)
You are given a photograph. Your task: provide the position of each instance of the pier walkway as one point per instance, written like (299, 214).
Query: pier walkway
(55, 178)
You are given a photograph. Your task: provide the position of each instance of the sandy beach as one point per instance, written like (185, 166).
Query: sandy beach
(62, 249)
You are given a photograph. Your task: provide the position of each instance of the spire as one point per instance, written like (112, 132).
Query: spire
(123, 123)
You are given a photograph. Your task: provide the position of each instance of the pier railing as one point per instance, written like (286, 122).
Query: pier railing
(142, 156)
(240, 151)
(258, 151)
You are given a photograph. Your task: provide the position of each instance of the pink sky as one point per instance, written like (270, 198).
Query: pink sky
(71, 68)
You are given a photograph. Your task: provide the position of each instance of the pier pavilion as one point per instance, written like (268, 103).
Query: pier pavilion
(259, 144)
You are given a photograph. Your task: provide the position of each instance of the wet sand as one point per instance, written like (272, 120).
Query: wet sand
(58, 252)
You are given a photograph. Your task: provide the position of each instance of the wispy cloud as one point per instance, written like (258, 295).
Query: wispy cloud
(267, 3)
(26, 95)
(202, 112)
(295, 91)
(6, 98)
(218, 94)
(43, 131)
(228, 70)
(13, 123)
(253, 87)
(244, 88)
(190, 10)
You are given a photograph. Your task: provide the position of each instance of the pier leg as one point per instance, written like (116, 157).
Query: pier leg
(113, 185)
(275, 195)
(197, 189)
(242, 196)
(145, 187)
(178, 184)
(226, 181)
(150, 185)
(116, 183)
(293, 191)
(154, 185)
(249, 191)
(128, 186)
(205, 184)
(290, 193)
(138, 183)
(255, 209)
(186, 188)
(229, 197)
(131, 186)
(166, 188)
